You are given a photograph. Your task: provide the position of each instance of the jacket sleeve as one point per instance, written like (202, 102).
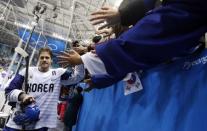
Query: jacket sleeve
(93, 64)
(104, 80)
(69, 78)
(153, 40)
(14, 88)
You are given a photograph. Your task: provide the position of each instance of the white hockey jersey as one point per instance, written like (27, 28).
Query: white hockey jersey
(45, 88)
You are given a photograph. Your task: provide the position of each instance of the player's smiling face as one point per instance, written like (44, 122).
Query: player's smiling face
(45, 61)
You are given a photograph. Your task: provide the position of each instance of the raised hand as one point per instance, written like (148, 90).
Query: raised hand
(106, 32)
(69, 58)
(108, 15)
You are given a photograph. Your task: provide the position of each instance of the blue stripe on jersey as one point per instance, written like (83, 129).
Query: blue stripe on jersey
(16, 83)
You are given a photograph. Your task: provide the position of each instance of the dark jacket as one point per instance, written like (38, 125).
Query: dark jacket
(71, 113)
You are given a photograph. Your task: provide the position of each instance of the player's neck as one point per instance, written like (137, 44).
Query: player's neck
(43, 69)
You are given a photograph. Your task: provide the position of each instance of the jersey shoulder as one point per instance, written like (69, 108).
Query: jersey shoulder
(58, 71)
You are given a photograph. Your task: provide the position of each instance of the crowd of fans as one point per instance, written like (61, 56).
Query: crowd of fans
(6, 53)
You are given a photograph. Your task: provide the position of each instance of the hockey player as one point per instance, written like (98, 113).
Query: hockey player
(43, 92)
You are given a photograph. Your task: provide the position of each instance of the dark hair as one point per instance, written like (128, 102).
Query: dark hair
(97, 38)
(119, 29)
(45, 49)
(75, 43)
(79, 89)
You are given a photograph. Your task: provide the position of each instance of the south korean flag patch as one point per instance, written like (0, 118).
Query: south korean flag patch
(132, 83)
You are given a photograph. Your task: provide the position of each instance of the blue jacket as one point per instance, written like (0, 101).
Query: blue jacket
(172, 30)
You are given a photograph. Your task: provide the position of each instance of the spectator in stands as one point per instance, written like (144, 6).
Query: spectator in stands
(75, 43)
(84, 49)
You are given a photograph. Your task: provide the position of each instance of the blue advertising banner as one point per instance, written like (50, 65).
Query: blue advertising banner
(55, 44)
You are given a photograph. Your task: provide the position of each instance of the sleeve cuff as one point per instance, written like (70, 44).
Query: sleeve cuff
(93, 64)
(13, 96)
